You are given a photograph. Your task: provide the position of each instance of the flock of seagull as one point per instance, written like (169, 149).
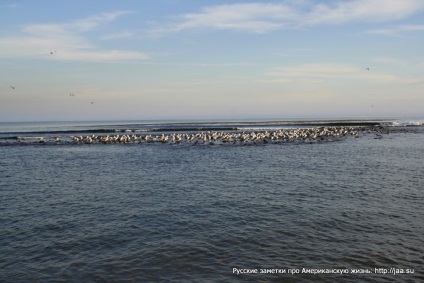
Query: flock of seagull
(306, 135)
(298, 135)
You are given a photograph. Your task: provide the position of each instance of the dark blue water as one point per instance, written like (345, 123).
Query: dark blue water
(172, 213)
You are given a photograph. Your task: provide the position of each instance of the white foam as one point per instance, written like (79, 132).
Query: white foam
(407, 123)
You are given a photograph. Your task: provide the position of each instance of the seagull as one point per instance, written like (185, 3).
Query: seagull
(12, 87)
(367, 69)
(92, 102)
(51, 52)
(72, 94)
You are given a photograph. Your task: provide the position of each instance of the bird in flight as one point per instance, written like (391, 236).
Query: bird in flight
(92, 102)
(51, 52)
(12, 87)
(72, 94)
(367, 69)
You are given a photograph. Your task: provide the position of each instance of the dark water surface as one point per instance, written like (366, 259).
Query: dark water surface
(172, 213)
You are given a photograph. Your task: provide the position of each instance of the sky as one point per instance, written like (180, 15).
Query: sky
(186, 59)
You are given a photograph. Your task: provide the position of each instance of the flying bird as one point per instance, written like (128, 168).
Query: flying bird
(92, 102)
(367, 69)
(12, 87)
(72, 94)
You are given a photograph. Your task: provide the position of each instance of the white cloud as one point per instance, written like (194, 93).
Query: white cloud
(67, 39)
(363, 11)
(319, 73)
(254, 17)
(94, 21)
(249, 17)
(119, 35)
(267, 17)
(397, 30)
(100, 55)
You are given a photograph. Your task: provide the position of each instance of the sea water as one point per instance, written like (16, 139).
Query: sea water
(343, 211)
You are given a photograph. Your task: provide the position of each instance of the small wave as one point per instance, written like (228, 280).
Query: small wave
(106, 131)
(10, 138)
(406, 124)
(267, 127)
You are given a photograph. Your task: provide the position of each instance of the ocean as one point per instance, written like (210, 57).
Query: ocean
(268, 201)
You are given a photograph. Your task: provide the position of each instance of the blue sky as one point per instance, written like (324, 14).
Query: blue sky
(180, 59)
